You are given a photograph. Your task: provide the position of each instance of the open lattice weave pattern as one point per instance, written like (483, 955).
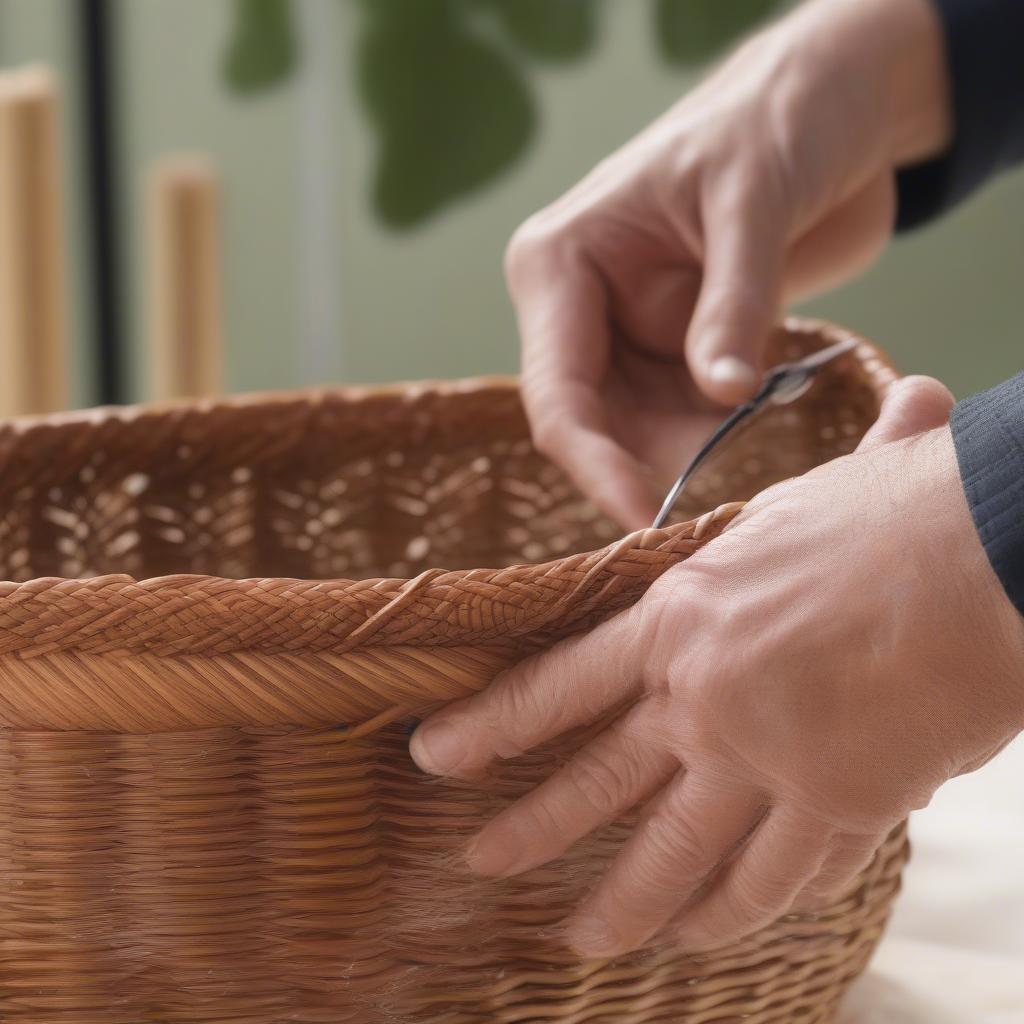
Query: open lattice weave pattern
(207, 810)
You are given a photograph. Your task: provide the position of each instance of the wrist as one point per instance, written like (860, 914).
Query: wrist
(954, 542)
(886, 61)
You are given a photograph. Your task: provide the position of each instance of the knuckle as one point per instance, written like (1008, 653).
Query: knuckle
(683, 162)
(584, 704)
(545, 434)
(869, 807)
(736, 190)
(860, 849)
(517, 703)
(677, 600)
(672, 838)
(597, 783)
(829, 884)
(774, 494)
(543, 820)
(674, 179)
(754, 899)
(849, 860)
(685, 666)
(657, 886)
(737, 914)
(532, 241)
(514, 709)
(662, 617)
(660, 602)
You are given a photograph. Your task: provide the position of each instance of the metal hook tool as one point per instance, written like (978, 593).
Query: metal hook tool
(781, 385)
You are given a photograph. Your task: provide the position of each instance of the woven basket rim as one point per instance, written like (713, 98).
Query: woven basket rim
(311, 396)
(405, 389)
(213, 614)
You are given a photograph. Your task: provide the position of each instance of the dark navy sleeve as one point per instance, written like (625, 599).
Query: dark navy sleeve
(986, 66)
(988, 432)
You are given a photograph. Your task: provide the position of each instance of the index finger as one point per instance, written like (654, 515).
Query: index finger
(562, 311)
(574, 683)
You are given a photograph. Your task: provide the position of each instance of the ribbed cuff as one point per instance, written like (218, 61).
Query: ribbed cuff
(984, 41)
(988, 433)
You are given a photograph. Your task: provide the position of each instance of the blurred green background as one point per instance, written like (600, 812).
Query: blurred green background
(354, 253)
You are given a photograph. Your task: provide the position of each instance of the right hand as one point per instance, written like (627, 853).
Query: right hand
(646, 294)
(770, 727)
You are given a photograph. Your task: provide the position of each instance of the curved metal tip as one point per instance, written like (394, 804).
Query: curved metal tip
(781, 385)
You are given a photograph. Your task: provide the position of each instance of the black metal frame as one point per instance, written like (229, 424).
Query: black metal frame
(95, 31)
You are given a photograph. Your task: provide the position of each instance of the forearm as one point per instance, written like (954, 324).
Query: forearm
(892, 54)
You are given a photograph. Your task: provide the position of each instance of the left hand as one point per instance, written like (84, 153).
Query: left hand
(793, 691)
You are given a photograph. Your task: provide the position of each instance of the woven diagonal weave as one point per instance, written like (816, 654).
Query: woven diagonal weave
(220, 622)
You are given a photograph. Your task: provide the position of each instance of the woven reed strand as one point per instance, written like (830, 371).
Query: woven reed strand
(207, 809)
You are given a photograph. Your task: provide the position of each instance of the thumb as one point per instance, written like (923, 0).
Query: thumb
(911, 406)
(739, 298)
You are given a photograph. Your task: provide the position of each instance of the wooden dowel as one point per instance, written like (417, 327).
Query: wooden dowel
(186, 333)
(33, 311)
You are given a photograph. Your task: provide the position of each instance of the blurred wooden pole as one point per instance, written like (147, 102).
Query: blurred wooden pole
(33, 312)
(184, 253)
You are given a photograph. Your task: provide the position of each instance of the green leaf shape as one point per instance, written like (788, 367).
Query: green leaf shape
(423, 15)
(556, 30)
(262, 50)
(451, 114)
(691, 31)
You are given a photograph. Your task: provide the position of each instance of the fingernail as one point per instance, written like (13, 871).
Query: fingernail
(591, 937)
(730, 370)
(437, 747)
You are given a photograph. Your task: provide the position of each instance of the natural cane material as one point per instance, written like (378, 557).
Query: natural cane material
(207, 809)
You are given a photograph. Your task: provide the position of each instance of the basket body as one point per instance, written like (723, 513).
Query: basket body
(207, 809)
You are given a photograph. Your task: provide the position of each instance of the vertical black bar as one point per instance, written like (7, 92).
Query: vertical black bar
(99, 138)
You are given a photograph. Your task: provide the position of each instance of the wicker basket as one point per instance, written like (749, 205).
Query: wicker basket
(207, 810)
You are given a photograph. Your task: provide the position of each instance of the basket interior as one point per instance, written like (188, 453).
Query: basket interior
(352, 484)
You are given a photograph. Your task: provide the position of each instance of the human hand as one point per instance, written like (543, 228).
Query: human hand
(771, 181)
(792, 692)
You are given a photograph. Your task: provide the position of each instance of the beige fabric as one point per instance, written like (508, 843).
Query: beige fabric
(954, 953)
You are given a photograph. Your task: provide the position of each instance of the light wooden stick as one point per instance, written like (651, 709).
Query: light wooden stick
(186, 333)
(33, 311)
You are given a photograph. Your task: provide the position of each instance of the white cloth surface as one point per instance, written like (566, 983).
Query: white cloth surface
(954, 951)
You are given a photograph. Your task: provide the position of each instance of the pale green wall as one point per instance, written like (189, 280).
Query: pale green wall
(948, 300)
(174, 100)
(431, 302)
